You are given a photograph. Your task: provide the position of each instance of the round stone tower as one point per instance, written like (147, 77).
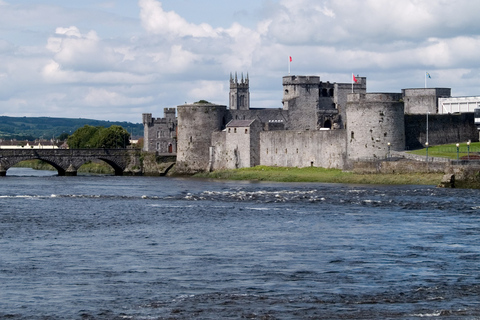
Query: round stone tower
(196, 123)
(375, 125)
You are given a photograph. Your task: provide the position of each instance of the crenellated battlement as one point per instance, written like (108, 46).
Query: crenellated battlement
(301, 80)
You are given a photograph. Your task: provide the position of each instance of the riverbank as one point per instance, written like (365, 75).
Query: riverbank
(314, 174)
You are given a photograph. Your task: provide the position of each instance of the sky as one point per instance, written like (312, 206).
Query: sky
(116, 59)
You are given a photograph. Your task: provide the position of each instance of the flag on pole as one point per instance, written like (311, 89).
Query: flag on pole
(354, 80)
(427, 75)
(289, 60)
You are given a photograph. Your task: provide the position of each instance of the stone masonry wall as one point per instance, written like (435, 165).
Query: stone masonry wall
(421, 101)
(373, 121)
(301, 98)
(303, 148)
(196, 122)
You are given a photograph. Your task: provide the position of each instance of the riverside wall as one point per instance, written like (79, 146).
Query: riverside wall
(303, 148)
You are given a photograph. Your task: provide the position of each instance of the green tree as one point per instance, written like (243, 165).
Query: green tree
(88, 137)
(63, 136)
(113, 137)
(84, 137)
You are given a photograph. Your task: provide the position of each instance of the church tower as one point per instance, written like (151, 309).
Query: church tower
(239, 93)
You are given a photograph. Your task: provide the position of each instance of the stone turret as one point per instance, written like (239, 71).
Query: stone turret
(196, 123)
(239, 93)
(375, 125)
(301, 99)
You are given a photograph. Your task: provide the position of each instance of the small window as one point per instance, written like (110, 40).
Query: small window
(229, 130)
(246, 130)
(352, 135)
(234, 130)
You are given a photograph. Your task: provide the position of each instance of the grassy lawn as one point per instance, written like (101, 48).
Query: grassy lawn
(450, 150)
(314, 174)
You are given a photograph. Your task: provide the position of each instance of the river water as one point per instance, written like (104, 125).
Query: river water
(106, 247)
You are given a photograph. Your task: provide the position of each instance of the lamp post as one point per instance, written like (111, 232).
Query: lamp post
(426, 146)
(458, 145)
(428, 112)
(388, 154)
(468, 149)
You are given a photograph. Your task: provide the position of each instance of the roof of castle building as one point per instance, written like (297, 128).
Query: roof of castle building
(240, 123)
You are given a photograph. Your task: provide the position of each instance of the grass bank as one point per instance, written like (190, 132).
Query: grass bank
(450, 150)
(313, 174)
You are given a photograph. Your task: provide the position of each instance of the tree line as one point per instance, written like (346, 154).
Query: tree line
(90, 137)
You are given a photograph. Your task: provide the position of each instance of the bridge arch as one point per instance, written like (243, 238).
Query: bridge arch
(60, 170)
(66, 161)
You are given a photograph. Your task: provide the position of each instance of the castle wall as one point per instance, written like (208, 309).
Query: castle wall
(422, 101)
(303, 148)
(196, 122)
(341, 92)
(218, 150)
(159, 134)
(242, 146)
(373, 121)
(301, 99)
(442, 129)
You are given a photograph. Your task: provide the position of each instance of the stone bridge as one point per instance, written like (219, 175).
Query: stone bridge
(66, 161)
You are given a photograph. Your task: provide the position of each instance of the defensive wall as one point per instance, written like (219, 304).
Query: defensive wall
(375, 125)
(292, 148)
(196, 123)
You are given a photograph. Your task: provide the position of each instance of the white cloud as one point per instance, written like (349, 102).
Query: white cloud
(101, 97)
(213, 91)
(156, 20)
(61, 61)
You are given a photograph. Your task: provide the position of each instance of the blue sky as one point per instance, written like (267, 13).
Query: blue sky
(116, 59)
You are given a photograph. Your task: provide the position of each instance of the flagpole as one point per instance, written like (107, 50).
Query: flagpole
(425, 79)
(352, 82)
(289, 61)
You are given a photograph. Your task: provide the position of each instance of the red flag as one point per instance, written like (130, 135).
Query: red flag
(354, 79)
(290, 58)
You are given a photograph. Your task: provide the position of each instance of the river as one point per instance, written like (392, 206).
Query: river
(108, 247)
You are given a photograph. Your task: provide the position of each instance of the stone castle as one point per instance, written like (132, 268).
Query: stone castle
(320, 124)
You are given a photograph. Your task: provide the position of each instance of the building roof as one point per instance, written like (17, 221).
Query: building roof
(240, 123)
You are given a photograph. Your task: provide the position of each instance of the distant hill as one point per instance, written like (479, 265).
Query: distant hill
(31, 128)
